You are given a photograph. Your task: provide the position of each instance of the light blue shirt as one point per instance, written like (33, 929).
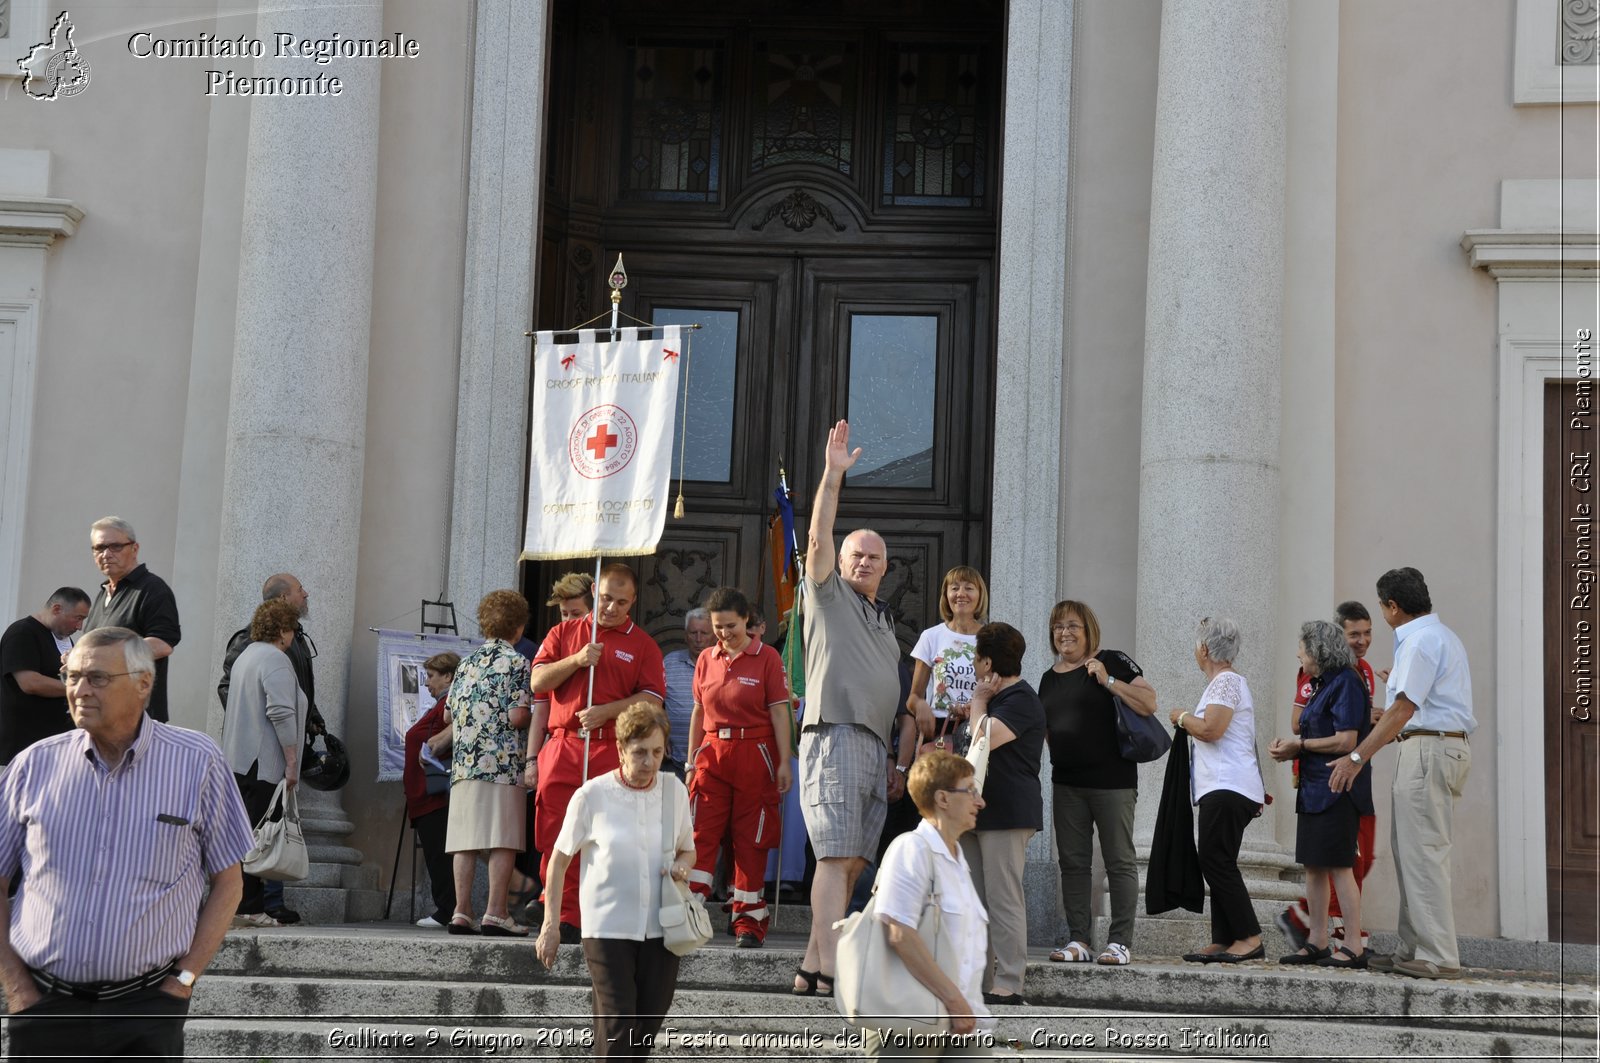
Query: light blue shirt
(1430, 669)
(679, 702)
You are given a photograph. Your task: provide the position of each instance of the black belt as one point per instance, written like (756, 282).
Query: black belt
(1422, 732)
(98, 991)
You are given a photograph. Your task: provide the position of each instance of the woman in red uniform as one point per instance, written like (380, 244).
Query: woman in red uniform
(738, 759)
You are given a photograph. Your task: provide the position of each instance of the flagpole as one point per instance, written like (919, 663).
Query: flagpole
(794, 754)
(594, 636)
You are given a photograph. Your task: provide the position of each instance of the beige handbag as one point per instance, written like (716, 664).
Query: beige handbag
(872, 987)
(685, 923)
(280, 851)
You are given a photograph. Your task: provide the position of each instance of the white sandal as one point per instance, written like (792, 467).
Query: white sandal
(1072, 952)
(1115, 955)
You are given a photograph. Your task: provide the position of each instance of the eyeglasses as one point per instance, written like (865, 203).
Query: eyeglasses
(108, 548)
(1072, 626)
(94, 679)
(970, 791)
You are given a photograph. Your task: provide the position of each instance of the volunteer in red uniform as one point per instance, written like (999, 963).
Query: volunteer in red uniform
(627, 669)
(1357, 624)
(738, 759)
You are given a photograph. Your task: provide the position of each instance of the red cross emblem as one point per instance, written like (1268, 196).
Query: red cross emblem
(601, 442)
(668, 354)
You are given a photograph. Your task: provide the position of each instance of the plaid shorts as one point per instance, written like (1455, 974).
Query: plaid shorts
(843, 784)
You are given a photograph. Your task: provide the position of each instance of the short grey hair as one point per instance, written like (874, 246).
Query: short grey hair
(1220, 637)
(136, 654)
(114, 524)
(699, 612)
(1326, 645)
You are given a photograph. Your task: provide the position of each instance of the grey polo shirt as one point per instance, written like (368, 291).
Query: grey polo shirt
(852, 658)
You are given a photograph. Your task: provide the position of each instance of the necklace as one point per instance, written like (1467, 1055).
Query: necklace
(629, 785)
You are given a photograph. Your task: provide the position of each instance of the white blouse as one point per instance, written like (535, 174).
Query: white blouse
(616, 832)
(1230, 762)
(910, 862)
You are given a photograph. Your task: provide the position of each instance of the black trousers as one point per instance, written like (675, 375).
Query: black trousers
(257, 797)
(1223, 818)
(431, 830)
(633, 986)
(147, 1024)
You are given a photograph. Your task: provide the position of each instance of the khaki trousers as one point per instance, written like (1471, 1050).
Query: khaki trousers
(997, 859)
(1429, 775)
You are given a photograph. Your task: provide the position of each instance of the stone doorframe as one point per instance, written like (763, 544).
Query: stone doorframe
(1544, 259)
(510, 59)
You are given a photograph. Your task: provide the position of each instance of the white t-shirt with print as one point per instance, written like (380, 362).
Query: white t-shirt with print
(950, 655)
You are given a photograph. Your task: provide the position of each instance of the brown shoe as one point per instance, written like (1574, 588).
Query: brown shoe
(1425, 969)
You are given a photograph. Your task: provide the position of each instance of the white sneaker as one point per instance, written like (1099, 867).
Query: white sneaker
(255, 920)
(429, 921)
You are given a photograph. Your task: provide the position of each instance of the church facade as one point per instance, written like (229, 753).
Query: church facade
(1183, 309)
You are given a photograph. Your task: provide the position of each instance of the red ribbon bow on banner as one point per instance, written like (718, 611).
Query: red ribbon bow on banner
(667, 354)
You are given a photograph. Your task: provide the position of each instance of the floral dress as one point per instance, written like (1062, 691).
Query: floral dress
(488, 683)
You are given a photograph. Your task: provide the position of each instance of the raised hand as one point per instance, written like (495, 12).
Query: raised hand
(839, 455)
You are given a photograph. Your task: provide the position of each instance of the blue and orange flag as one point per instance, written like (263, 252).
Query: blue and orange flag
(785, 551)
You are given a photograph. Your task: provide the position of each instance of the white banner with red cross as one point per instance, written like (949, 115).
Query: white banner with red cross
(600, 466)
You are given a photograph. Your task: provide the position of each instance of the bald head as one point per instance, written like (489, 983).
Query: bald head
(287, 587)
(863, 560)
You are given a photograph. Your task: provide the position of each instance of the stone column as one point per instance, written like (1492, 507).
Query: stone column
(1025, 531)
(1208, 484)
(298, 398)
(486, 512)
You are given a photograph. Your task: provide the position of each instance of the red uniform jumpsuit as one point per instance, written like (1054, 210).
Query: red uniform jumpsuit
(630, 664)
(1366, 831)
(734, 789)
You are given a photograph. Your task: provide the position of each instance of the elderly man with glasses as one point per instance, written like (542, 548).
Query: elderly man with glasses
(134, 598)
(121, 800)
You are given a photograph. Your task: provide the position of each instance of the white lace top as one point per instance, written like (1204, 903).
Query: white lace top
(1229, 763)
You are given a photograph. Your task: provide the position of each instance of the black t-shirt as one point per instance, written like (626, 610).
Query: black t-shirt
(1011, 794)
(28, 646)
(144, 605)
(1083, 726)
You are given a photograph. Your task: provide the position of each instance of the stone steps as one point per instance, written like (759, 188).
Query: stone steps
(280, 994)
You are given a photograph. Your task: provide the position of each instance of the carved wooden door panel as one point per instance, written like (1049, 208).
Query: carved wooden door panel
(819, 192)
(1571, 716)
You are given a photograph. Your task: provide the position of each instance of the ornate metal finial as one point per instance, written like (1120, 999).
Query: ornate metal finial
(618, 281)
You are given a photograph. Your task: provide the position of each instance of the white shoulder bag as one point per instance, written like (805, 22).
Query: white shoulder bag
(685, 923)
(280, 850)
(978, 752)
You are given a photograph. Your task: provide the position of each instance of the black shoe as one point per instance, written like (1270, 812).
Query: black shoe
(531, 914)
(1200, 957)
(1257, 953)
(1307, 954)
(1296, 936)
(571, 935)
(285, 916)
(1007, 998)
(748, 941)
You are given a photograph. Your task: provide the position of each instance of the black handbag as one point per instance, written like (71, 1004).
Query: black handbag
(1140, 739)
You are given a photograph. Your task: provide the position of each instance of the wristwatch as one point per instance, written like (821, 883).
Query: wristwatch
(1355, 758)
(1111, 680)
(902, 769)
(187, 979)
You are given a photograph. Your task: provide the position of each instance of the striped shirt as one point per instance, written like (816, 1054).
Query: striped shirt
(114, 862)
